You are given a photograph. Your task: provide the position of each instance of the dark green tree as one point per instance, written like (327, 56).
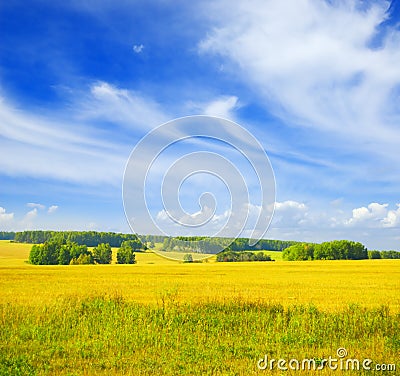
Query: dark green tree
(102, 254)
(126, 254)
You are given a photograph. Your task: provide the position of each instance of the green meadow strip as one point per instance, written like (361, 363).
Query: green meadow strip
(106, 335)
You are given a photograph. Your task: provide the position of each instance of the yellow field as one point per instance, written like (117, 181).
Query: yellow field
(330, 285)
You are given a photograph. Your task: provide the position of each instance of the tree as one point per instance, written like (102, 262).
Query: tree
(102, 254)
(374, 254)
(126, 254)
(187, 258)
(300, 251)
(64, 255)
(135, 245)
(44, 254)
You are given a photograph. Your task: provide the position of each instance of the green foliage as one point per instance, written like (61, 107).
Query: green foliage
(45, 254)
(126, 254)
(88, 238)
(187, 258)
(390, 255)
(54, 252)
(102, 254)
(301, 251)
(136, 245)
(64, 255)
(83, 259)
(230, 256)
(374, 254)
(334, 250)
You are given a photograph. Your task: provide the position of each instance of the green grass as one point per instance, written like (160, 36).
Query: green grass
(106, 335)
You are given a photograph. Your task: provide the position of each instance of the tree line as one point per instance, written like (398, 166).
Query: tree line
(7, 235)
(88, 238)
(202, 244)
(333, 250)
(292, 250)
(374, 254)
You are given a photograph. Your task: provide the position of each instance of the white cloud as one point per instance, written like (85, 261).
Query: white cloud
(28, 222)
(35, 205)
(222, 107)
(32, 214)
(52, 209)
(66, 146)
(289, 214)
(313, 65)
(5, 218)
(138, 48)
(290, 206)
(368, 216)
(392, 218)
(122, 107)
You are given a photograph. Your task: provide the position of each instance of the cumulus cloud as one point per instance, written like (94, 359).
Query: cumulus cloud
(289, 214)
(375, 215)
(138, 48)
(5, 217)
(35, 205)
(52, 209)
(32, 214)
(28, 222)
(392, 218)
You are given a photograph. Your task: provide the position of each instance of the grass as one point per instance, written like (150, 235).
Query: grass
(105, 335)
(169, 318)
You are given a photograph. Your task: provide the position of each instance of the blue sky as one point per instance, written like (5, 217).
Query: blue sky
(316, 82)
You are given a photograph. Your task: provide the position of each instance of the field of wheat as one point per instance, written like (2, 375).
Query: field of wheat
(169, 318)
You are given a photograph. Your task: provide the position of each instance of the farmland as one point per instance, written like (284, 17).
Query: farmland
(198, 318)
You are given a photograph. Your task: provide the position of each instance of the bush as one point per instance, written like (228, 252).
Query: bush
(230, 256)
(187, 258)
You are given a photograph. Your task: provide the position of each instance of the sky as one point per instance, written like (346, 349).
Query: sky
(316, 82)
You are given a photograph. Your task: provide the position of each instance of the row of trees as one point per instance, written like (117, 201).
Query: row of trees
(88, 238)
(383, 254)
(230, 256)
(54, 252)
(202, 244)
(333, 250)
(7, 235)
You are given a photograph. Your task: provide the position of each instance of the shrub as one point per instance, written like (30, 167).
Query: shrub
(187, 258)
